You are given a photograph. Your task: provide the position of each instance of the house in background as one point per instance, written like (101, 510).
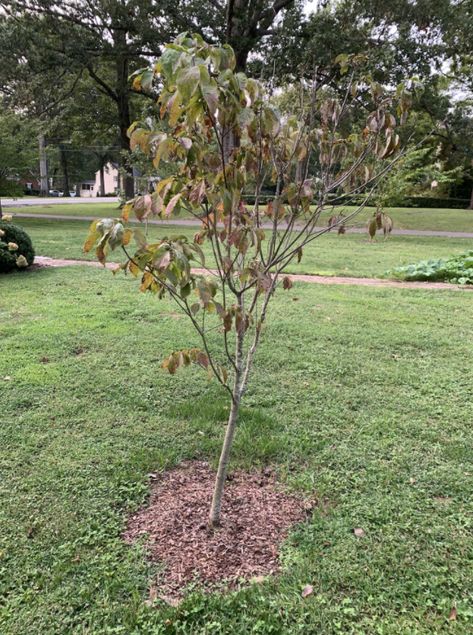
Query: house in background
(108, 177)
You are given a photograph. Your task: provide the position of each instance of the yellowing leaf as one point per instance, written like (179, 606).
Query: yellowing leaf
(172, 204)
(127, 208)
(91, 238)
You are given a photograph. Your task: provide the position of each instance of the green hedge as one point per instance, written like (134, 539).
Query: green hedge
(424, 201)
(16, 249)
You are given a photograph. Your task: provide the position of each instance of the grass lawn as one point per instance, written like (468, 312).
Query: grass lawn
(366, 401)
(404, 218)
(348, 255)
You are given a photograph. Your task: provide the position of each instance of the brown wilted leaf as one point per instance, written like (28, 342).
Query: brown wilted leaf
(286, 283)
(453, 614)
(359, 532)
(307, 590)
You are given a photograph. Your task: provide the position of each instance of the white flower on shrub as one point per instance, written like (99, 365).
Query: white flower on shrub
(2, 233)
(7, 218)
(12, 246)
(21, 262)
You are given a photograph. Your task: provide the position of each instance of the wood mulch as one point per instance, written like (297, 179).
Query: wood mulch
(256, 517)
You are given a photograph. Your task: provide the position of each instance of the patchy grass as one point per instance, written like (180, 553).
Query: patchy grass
(365, 400)
(348, 255)
(404, 218)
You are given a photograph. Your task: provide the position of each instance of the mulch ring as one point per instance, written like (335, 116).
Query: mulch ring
(256, 517)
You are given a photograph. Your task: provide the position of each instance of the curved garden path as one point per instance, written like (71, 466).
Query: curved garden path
(44, 261)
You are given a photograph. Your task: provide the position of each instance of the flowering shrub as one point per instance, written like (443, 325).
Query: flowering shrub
(16, 249)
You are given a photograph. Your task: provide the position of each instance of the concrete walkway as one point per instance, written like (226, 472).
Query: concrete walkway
(194, 223)
(44, 261)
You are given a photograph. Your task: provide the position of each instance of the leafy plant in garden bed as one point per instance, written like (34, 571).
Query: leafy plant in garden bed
(458, 269)
(218, 133)
(16, 249)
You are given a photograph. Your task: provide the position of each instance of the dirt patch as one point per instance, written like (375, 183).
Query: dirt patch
(43, 261)
(256, 517)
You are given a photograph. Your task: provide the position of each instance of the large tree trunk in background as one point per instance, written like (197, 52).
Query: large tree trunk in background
(237, 31)
(123, 105)
(65, 172)
(247, 21)
(43, 167)
(102, 180)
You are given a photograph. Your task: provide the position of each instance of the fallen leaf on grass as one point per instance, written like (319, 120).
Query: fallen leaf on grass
(359, 532)
(307, 590)
(171, 600)
(258, 579)
(453, 614)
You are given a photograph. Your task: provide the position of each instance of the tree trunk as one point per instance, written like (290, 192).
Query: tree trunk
(471, 199)
(102, 181)
(65, 171)
(1, 211)
(214, 519)
(123, 105)
(215, 509)
(43, 167)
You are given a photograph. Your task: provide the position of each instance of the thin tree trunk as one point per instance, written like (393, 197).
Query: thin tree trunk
(65, 172)
(220, 479)
(215, 509)
(123, 105)
(43, 167)
(471, 199)
(1, 211)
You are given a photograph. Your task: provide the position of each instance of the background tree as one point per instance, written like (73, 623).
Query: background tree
(17, 154)
(202, 98)
(108, 40)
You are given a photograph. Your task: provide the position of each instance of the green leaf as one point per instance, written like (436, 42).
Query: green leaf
(187, 80)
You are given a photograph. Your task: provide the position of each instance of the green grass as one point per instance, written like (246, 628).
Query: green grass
(97, 210)
(348, 255)
(365, 402)
(404, 218)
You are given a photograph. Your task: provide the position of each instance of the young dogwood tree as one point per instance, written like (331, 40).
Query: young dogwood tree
(219, 138)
